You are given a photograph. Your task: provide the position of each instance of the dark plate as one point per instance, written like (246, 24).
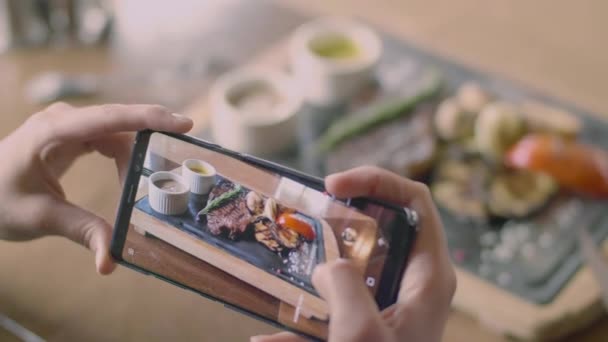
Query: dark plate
(247, 249)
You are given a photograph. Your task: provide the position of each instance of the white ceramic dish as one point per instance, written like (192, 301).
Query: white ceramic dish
(255, 132)
(200, 184)
(327, 81)
(165, 200)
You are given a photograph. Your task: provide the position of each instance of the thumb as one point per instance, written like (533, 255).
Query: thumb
(85, 228)
(280, 337)
(354, 315)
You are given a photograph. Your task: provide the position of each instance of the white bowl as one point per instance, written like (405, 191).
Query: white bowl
(327, 81)
(168, 201)
(199, 184)
(262, 133)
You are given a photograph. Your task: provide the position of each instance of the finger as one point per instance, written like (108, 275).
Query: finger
(371, 181)
(67, 220)
(280, 337)
(429, 269)
(59, 107)
(59, 157)
(88, 123)
(352, 310)
(117, 146)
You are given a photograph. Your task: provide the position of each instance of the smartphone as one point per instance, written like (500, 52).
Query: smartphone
(248, 232)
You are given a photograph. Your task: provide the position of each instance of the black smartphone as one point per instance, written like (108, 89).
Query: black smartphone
(248, 232)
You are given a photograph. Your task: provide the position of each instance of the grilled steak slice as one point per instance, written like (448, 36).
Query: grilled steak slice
(231, 218)
(406, 146)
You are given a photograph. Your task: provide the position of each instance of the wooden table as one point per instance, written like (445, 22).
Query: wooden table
(50, 286)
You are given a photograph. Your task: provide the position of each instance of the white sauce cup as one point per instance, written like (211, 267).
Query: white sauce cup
(200, 184)
(327, 81)
(168, 201)
(265, 133)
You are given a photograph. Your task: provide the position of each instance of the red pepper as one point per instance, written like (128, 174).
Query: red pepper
(296, 224)
(577, 167)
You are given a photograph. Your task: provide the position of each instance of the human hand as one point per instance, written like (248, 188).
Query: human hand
(35, 156)
(428, 284)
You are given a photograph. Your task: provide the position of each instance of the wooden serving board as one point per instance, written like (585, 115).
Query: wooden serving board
(311, 305)
(577, 305)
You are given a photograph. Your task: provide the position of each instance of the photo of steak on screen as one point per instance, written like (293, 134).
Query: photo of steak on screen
(245, 223)
(226, 211)
(235, 212)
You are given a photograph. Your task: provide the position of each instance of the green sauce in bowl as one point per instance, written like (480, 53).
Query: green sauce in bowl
(335, 47)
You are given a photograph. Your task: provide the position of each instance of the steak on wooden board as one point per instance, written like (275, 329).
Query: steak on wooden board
(231, 218)
(405, 146)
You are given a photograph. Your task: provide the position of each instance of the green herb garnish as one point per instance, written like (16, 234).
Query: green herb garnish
(220, 200)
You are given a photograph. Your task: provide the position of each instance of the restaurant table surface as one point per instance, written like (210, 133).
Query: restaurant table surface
(50, 286)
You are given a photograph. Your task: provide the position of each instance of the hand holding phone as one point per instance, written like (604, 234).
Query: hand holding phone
(33, 202)
(427, 287)
(249, 233)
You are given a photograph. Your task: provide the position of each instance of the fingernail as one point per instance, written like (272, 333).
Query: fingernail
(332, 175)
(181, 117)
(256, 338)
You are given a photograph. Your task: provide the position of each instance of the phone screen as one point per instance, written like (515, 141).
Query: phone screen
(249, 234)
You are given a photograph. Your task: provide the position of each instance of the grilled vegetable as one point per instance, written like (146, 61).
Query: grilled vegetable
(575, 166)
(459, 186)
(542, 118)
(221, 200)
(255, 203)
(274, 236)
(497, 128)
(263, 228)
(270, 209)
(452, 122)
(518, 194)
(288, 238)
(472, 98)
(374, 115)
(284, 209)
(298, 225)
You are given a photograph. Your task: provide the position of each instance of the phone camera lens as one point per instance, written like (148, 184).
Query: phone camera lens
(349, 236)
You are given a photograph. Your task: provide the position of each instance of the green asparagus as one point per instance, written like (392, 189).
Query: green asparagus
(375, 115)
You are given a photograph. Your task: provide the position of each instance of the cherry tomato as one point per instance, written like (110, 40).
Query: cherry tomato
(297, 224)
(577, 167)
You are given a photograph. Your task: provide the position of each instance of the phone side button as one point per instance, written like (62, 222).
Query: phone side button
(412, 218)
(131, 194)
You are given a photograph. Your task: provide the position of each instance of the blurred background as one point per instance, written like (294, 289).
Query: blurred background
(171, 52)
